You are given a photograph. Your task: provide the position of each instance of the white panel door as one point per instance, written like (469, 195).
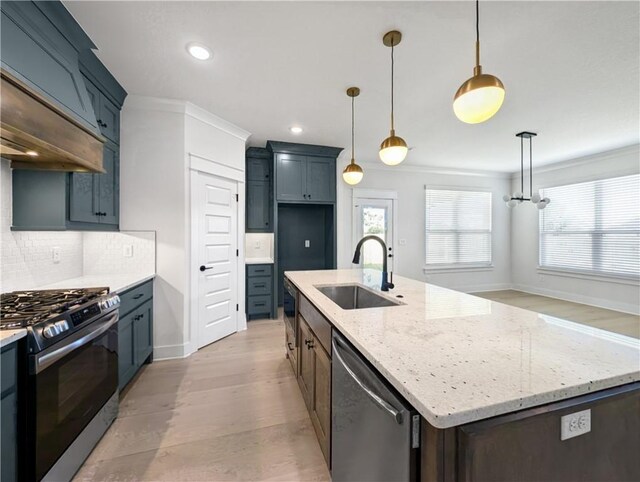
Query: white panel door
(218, 260)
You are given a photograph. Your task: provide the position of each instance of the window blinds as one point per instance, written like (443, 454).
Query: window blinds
(458, 228)
(593, 227)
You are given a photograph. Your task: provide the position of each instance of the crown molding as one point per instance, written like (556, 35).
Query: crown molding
(141, 102)
(610, 155)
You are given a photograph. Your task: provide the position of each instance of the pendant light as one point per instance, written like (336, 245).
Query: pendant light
(518, 197)
(352, 174)
(393, 149)
(481, 96)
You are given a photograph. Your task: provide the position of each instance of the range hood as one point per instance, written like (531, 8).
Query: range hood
(36, 134)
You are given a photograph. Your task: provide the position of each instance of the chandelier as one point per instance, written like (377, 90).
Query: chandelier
(516, 198)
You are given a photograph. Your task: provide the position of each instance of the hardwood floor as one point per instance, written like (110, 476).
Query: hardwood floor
(231, 411)
(610, 320)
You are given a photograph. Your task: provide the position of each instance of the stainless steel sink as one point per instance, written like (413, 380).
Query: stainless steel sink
(355, 297)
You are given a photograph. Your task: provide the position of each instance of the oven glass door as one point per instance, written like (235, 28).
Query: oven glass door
(68, 394)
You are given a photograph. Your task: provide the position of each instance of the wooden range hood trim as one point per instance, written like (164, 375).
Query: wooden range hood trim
(30, 122)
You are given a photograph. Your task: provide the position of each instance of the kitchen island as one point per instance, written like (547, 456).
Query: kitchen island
(492, 382)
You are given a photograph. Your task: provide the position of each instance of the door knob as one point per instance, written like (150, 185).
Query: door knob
(204, 268)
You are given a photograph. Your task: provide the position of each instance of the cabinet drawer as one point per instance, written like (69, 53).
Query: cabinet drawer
(259, 270)
(135, 297)
(260, 285)
(9, 368)
(318, 323)
(258, 304)
(292, 350)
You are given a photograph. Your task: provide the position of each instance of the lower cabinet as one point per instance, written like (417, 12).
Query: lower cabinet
(259, 287)
(135, 331)
(314, 380)
(9, 414)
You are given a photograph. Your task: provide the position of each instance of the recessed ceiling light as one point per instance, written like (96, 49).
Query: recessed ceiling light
(31, 153)
(199, 51)
(295, 129)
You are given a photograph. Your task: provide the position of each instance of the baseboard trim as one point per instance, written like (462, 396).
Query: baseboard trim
(171, 352)
(480, 288)
(576, 298)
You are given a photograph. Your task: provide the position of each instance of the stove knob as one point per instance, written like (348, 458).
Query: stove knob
(50, 331)
(62, 326)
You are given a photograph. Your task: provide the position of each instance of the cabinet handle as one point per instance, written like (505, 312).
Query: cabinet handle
(137, 297)
(309, 344)
(266, 224)
(267, 176)
(259, 304)
(289, 345)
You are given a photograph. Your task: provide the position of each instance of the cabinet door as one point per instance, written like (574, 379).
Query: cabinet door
(84, 205)
(109, 119)
(291, 178)
(94, 97)
(321, 406)
(257, 169)
(9, 466)
(126, 352)
(143, 332)
(258, 208)
(291, 350)
(306, 363)
(321, 179)
(108, 186)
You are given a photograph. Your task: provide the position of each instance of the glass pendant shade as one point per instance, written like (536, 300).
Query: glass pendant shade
(393, 150)
(353, 173)
(535, 198)
(478, 99)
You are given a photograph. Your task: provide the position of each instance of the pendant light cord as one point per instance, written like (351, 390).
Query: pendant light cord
(477, 33)
(530, 166)
(353, 99)
(522, 165)
(392, 67)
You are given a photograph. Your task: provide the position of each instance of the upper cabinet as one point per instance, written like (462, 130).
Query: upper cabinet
(304, 173)
(259, 191)
(39, 47)
(47, 200)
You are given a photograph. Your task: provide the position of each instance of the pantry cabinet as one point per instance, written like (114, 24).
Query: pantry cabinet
(259, 187)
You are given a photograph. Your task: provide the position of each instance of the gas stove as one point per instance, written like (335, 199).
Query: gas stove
(51, 315)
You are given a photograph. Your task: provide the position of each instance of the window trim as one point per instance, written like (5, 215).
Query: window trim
(583, 273)
(458, 267)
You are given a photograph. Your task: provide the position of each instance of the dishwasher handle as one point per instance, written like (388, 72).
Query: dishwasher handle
(374, 396)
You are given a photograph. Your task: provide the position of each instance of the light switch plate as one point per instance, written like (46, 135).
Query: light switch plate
(307, 243)
(575, 424)
(55, 254)
(402, 242)
(128, 250)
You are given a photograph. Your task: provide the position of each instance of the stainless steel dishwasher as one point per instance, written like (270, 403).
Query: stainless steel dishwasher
(375, 433)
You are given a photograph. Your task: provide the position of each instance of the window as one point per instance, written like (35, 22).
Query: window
(593, 227)
(458, 228)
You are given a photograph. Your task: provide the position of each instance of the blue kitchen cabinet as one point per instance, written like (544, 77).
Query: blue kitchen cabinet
(260, 299)
(47, 200)
(40, 45)
(259, 195)
(135, 331)
(9, 413)
(291, 178)
(321, 179)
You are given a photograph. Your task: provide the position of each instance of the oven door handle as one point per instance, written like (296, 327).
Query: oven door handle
(45, 360)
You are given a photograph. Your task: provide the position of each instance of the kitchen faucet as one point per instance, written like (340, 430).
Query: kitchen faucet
(386, 285)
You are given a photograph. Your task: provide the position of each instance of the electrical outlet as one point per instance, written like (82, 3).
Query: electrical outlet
(55, 254)
(258, 245)
(575, 424)
(402, 242)
(307, 243)
(128, 250)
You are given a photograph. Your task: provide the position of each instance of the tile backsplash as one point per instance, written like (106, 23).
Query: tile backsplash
(27, 257)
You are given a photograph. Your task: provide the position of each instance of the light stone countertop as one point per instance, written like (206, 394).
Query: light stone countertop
(458, 358)
(258, 260)
(9, 336)
(117, 283)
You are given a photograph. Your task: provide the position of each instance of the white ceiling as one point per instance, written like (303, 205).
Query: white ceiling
(571, 71)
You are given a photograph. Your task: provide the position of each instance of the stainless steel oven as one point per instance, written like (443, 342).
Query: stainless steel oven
(289, 302)
(72, 397)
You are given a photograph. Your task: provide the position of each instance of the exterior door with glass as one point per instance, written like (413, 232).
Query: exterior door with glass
(374, 217)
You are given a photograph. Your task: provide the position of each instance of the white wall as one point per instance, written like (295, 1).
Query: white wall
(159, 137)
(409, 183)
(524, 234)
